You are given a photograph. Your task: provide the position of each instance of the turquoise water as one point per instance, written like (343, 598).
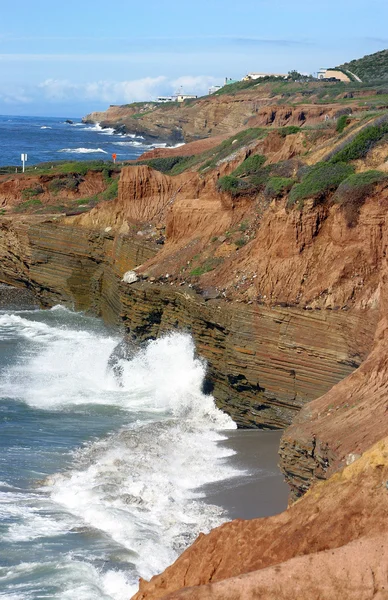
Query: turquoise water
(100, 475)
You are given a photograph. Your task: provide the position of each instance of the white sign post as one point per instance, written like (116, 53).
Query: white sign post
(24, 160)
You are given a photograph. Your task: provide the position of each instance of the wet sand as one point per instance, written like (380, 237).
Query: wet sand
(261, 492)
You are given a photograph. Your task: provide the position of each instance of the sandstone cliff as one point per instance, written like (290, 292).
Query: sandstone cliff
(286, 300)
(265, 104)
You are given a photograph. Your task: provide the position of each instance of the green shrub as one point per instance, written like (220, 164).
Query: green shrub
(259, 180)
(186, 163)
(164, 165)
(250, 165)
(233, 186)
(241, 242)
(321, 179)
(244, 225)
(32, 191)
(69, 183)
(353, 191)
(342, 121)
(286, 168)
(278, 186)
(360, 144)
(289, 130)
(111, 191)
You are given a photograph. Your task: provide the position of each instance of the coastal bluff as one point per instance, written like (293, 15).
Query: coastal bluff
(321, 291)
(284, 290)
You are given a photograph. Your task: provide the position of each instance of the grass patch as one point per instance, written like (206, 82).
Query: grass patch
(278, 187)
(111, 191)
(361, 143)
(289, 130)
(230, 146)
(206, 267)
(250, 165)
(24, 206)
(342, 122)
(319, 180)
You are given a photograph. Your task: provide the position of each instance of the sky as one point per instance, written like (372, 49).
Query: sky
(70, 58)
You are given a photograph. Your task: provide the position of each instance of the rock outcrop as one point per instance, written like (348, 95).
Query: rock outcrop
(18, 191)
(215, 115)
(264, 363)
(266, 358)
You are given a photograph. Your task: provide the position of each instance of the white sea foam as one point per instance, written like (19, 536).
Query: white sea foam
(130, 144)
(107, 131)
(139, 486)
(46, 127)
(83, 151)
(76, 580)
(95, 127)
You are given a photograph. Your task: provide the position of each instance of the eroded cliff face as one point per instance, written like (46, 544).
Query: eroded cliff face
(264, 363)
(330, 544)
(215, 115)
(19, 192)
(280, 320)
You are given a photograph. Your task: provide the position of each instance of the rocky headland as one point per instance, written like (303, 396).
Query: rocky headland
(268, 244)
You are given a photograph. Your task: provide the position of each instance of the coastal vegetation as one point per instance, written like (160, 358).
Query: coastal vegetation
(362, 142)
(372, 67)
(319, 180)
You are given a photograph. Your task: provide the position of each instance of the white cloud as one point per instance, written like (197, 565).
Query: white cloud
(64, 91)
(14, 95)
(103, 91)
(193, 84)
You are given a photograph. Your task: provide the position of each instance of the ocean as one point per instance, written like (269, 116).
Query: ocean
(109, 468)
(100, 476)
(46, 139)
(108, 471)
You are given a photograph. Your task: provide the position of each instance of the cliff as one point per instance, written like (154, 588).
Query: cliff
(270, 248)
(277, 104)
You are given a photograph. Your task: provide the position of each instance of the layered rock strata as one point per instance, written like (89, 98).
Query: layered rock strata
(215, 115)
(267, 357)
(264, 364)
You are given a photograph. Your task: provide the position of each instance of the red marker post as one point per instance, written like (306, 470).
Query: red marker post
(114, 156)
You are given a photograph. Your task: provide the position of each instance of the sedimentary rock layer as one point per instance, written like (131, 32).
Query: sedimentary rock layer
(214, 115)
(264, 363)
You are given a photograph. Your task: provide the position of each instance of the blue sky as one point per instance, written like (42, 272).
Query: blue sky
(69, 58)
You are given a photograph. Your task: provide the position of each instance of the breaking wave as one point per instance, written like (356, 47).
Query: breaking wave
(83, 151)
(136, 490)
